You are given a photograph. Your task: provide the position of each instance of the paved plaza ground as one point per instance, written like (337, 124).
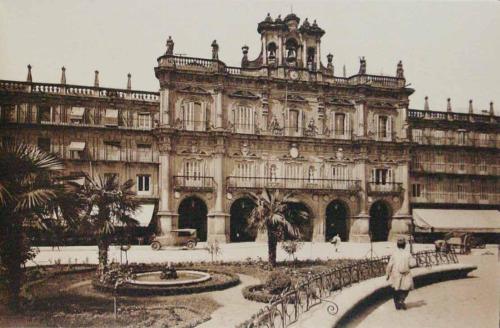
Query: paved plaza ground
(230, 252)
(471, 302)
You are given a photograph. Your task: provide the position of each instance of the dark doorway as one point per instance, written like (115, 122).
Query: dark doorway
(240, 211)
(337, 216)
(380, 214)
(305, 226)
(193, 214)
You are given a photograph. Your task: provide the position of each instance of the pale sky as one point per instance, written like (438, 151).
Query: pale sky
(449, 49)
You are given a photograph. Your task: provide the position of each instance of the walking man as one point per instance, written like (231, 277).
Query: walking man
(399, 274)
(336, 242)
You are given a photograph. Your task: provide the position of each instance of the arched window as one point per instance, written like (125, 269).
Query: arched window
(291, 50)
(271, 51)
(311, 54)
(294, 122)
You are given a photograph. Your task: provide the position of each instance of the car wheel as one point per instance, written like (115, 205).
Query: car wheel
(190, 244)
(155, 245)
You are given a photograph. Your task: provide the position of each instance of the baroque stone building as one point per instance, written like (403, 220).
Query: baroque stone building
(356, 156)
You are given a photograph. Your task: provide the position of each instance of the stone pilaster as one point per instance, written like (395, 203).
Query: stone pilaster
(360, 227)
(167, 218)
(218, 220)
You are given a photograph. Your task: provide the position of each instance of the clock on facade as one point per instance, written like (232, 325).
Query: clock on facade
(294, 75)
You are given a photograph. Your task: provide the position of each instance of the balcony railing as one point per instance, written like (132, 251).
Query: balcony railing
(415, 114)
(131, 124)
(193, 182)
(455, 141)
(234, 182)
(387, 187)
(455, 168)
(78, 90)
(440, 197)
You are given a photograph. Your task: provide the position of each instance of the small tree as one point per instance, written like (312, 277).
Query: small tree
(214, 249)
(108, 205)
(270, 215)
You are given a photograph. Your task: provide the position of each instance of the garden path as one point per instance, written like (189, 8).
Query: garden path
(235, 308)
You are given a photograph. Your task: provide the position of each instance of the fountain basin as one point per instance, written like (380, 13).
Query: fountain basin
(185, 277)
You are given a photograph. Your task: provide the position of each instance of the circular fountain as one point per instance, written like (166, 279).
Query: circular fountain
(184, 277)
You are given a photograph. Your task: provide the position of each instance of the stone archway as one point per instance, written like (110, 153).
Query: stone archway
(193, 214)
(380, 218)
(239, 230)
(337, 218)
(305, 226)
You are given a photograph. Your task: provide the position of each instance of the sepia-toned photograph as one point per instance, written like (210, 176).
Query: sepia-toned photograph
(249, 163)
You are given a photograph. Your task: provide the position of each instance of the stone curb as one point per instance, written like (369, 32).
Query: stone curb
(351, 299)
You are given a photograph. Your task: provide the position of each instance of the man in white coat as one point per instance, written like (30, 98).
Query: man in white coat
(399, 274)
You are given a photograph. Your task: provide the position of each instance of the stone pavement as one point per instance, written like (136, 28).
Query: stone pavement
(235, 308)
(471, 302)
(230, 252)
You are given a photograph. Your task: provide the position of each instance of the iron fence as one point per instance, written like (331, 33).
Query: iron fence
(285, 309)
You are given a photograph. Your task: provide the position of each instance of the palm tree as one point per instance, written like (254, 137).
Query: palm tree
(32, 190)
(272, 215)
(108, 205)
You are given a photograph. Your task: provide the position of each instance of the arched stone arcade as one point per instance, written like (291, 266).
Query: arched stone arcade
(193, 214)
(380, 220)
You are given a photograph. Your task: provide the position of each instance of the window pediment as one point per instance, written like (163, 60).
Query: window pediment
(296, 98)
(194, 90)
(339, 101)
(244, 94)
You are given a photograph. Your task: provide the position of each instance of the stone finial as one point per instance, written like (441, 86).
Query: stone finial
(96, 79)
(471, 108)
(63, 75)
(400, 72)
(448, 105)
(426, 103)
(29, 78)
(215, 50)
(344, 71)
(268, 18)
(244, 60)
(362, 65)
(129, 81)
(492, 111)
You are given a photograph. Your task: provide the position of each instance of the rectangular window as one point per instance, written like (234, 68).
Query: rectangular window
(9, 113)
(483, 190)
(194, 173)
(294, 121)
(144, 120)
(339, 124)
(113, 150)
(382, 127)
(144, 153)
(417, 136)
(192, 116)
(461, 192)
(381, 176)
(76, 115)
(416, 190)
(143, 184)
(439, 137)
(462, 138)
(483, 166)
(44, 114)
(243, 119)
(111, 118)
(44, 144)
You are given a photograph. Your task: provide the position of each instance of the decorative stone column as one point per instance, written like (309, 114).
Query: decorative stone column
(360, 227)
(402, 220)
(218, 220)
(167, 218)
(360, 114)
(319, 222)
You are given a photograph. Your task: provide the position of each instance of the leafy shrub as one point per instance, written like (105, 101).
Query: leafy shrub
(292, 246)
(277, 282)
